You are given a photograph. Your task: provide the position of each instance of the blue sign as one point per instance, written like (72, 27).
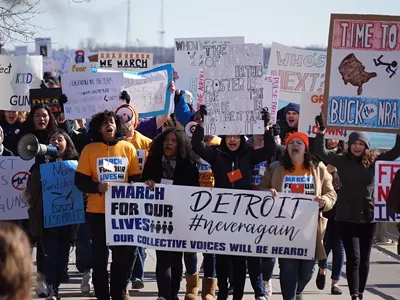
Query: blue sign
(62, 201)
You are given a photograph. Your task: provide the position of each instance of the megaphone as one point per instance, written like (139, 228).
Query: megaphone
(28, 147)
(190, 128)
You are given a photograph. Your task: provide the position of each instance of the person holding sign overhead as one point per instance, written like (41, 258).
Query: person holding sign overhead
(108, 158)
(299, 173)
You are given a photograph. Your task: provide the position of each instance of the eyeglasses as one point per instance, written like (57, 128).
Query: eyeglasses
(233, 137)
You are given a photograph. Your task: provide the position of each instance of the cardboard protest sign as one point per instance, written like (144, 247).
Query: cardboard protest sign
(14, 173)
(90, 93)
(281, 226)
(128, 61)
(43, 47)
(311, 105)
(385, 172)
(62, 201)
(362, 84)
(19, 74)
(193, 54)
(234, 92)
(149, 90)
(49, 97)
(301, 71)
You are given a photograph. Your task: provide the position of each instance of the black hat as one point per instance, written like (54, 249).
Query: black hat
(359, 135)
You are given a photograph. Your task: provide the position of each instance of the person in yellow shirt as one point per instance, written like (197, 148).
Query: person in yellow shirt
(107, 159)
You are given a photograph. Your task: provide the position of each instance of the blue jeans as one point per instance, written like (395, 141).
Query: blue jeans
(294, 275)
(56, 244)
(267, 267)
(190, 259)
(333, 242)
(84, 248)
(138, 267)
(209, 265)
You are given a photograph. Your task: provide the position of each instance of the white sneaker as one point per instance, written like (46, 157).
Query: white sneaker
(41, 289)
(268, 288)
(261, 298)
(51, 298)
(85, 283)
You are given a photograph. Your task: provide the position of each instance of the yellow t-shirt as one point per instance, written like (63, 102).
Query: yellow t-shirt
(206, 175)
(142, 144)
(300, 181)
(107, 164)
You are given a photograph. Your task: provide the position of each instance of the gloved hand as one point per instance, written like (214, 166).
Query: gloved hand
(63, 99)
(319, 121)
(125, 96)
(203, 111)
(276, 129)
(265, 116)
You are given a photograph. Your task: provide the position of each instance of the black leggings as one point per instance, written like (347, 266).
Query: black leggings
(357, 241)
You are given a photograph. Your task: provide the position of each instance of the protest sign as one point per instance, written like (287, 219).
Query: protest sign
(271, 93)
(149, 90)
(21, 50)
(62, 201)
(361, 88)
(221, 221)
(19, 74)
(192, 54)
(49, 97)
(311, 105)
(129, 61)
(43, 47)
(301, 71)
(141, 155)
(385, 171)
(90, 93)
(48, 64)
(234, 92)
(14, 173)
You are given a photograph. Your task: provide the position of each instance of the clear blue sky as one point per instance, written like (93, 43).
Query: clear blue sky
(290, 22)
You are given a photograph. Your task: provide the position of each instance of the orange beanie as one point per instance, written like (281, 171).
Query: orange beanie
(127, 112)
(298, 135)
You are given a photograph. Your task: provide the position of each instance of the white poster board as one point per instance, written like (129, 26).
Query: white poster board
(43, 47)
(91, 93)
(125, 61)
(14, 173)
(311, 105)
(21, 50)
(48, 64)
(301, 71)
(19, 74)
(196, 219)
(234, 92)
(193, 54)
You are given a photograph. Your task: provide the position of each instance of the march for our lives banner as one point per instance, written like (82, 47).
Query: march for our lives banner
(62, 201)
(221, 221)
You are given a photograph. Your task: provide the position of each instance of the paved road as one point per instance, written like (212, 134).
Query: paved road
(384, 281)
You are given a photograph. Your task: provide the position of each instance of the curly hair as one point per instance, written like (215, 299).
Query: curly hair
(367, 159)
(184, 145)
(101, 118)
(70, 152)
(15, 263)
(309, 161)
(52, 126)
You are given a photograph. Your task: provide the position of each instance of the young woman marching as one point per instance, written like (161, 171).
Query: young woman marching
(234, 156)
(298, 162)
(172, 161)
(355, 206)
(108, 158)
(55, 241)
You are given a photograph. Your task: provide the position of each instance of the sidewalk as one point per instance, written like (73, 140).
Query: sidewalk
(383, 283)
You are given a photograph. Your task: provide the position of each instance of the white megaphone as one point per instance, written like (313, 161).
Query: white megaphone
(190, 128)
(29, 147)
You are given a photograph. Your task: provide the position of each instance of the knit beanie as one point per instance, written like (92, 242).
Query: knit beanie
(359, 135)
(127, 112)
(298, 135)
(292, 107)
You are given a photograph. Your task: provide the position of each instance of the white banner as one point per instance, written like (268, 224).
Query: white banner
(192, 54)
(127, 61)
(234, 92)
(311, 105)
(221, 221)
(13, 178)
(301, 71)
(91, 93)
(384, 175)
(19, 74)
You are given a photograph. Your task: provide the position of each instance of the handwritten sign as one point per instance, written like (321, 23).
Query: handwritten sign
(193, 54)
(362, 80)
(62, 201)
(90, 93)
(301, 71)
(48, 64)
(19, 74)
(43, 47)
(311, 105)
(250, 223)
(234, 92)
(125, 60)
(14, 174)
(49, 97)
(385, 171)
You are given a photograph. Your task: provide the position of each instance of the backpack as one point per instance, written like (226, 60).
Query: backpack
(393, 200)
